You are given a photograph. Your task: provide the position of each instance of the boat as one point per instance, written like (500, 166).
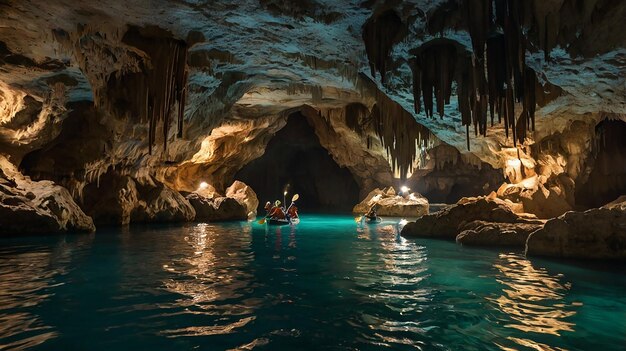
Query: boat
(374, 220)
(284, 221)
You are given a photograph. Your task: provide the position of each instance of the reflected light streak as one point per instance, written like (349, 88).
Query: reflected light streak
(533, 299)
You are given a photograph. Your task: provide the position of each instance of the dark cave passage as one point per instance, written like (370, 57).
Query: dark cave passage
(607, 180)
(295, 157)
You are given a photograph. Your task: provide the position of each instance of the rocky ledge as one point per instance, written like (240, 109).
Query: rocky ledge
(30, 207)
(393, 205)
(240, 203)
(476, 221)
(598, 233)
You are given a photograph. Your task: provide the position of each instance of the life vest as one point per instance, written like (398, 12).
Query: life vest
(293, 212)
(277, 212)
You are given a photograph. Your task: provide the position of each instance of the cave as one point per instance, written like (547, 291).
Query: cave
(460, 166)
(606, 180)
(295, 161)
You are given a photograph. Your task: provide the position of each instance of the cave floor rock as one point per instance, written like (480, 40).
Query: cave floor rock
(476, 221)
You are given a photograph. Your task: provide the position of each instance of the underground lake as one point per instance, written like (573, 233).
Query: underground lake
(326, 283)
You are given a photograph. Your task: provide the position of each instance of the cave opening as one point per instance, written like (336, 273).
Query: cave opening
(607, 179)
(295, 158)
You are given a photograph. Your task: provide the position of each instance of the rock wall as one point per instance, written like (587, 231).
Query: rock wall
(30, 207)
(599, 233)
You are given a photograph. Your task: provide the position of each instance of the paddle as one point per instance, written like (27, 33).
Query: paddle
(293, 199)
(261, 221)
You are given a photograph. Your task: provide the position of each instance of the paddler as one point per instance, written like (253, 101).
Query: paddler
(371, 214)
(277, 212)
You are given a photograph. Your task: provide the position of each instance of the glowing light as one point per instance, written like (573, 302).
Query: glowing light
(203, 185)
(285, 193)
(405, 189)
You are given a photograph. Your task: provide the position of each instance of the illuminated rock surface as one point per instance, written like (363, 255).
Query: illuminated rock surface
(394, 205)
(475, 221)
(599, 233)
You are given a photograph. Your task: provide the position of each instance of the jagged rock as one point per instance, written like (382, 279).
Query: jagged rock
(111, 200)
(481, 233)
(390, 204)
(158, 203)
(28, 207)
(119, 199)
(217, 209)
(245, 196)
(599, 233)
(451, 221)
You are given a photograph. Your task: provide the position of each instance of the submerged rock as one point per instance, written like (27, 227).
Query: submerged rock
(475, 221)
(245, 196)
(217, 209)
(393, 205)
(599, 233)
(28, 207)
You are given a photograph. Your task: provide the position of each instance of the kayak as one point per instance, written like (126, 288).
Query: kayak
(373, 220)
(276, 221)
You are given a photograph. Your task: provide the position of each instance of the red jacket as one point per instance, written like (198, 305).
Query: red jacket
(277, 212)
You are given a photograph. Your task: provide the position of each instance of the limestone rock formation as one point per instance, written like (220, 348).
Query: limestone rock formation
(475, 221)
(481, 233)
(599, 233)
(158, 203)
(391, 204)
(120, 199)
(245, 196)
(174, 94)
(28, 207)
(217, 209)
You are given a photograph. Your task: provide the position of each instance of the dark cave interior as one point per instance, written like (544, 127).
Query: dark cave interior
(607, 177)
(295, 159)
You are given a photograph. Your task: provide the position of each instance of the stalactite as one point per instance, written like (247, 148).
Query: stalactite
(355, 115)
(380, 33)
(398, 132)
(161, 83)
(485, 85)
(433, 72)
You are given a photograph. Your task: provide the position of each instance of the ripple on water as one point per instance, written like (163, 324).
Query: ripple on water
(336, 286)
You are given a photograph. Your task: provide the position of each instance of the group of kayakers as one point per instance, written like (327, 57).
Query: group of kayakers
(277, 211)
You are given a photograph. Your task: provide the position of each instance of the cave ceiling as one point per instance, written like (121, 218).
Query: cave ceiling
(249, 60)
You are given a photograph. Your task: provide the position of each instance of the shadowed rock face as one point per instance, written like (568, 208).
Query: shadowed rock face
(606, 170)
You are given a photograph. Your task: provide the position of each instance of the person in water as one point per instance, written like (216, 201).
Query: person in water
(276, 212)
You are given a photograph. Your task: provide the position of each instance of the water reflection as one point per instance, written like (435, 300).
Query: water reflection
(213, 280)
(533, 300)
(29, 274)
(389, 277)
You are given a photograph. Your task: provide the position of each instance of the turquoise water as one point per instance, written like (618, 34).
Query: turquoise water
(325, 284)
